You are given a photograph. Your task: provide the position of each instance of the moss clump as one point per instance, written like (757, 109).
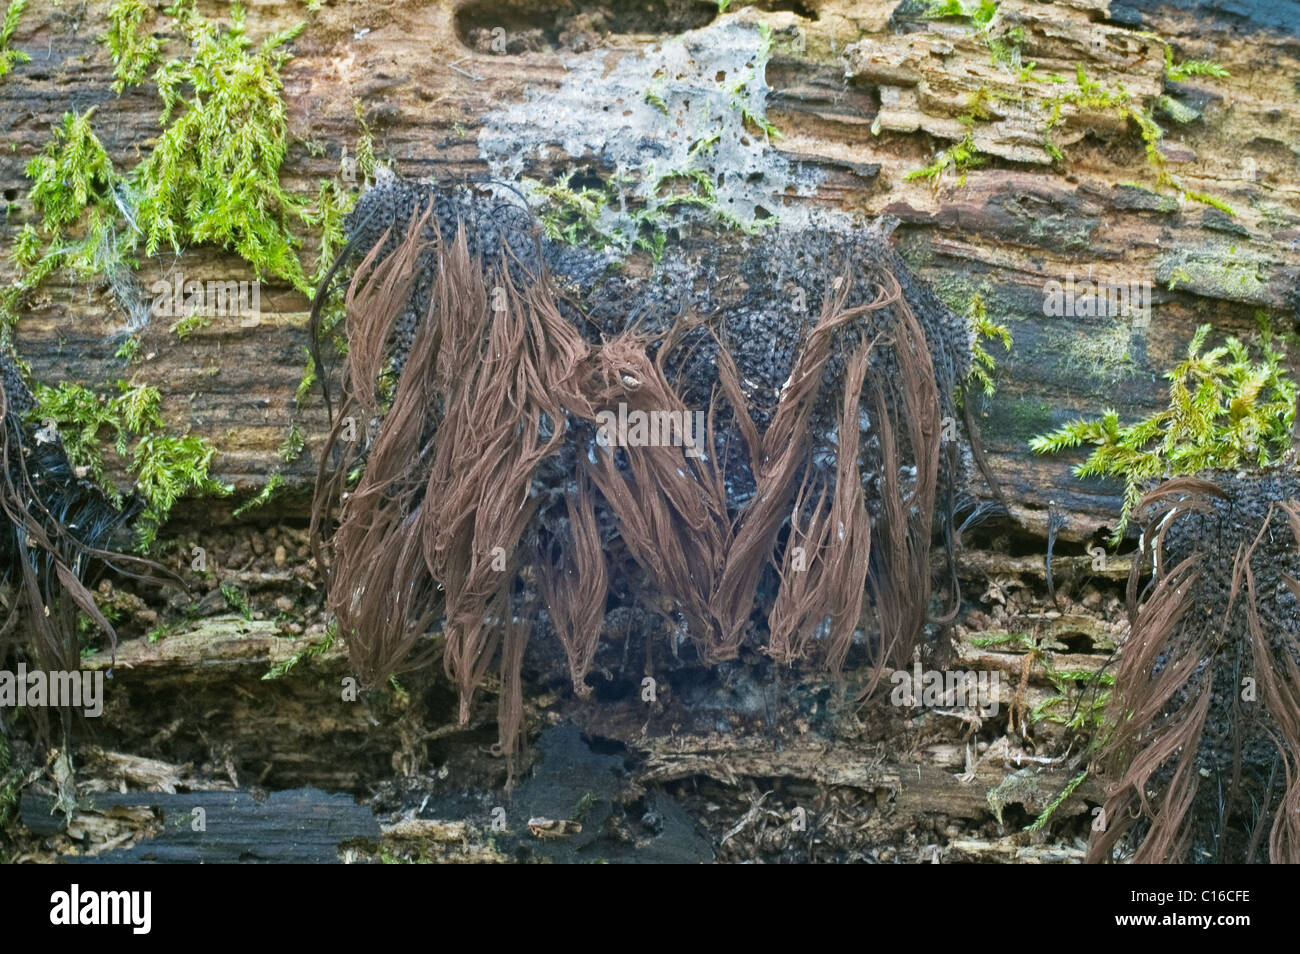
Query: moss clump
(983, 18)
(75, 192)
(129, 349)
(72, 177)
(9, 57)
(133, 50)
(1225, 409)
(214, 176)
(960, 158)
(1090, 691)
(980, 13)
(572, 215)
(165, 467)
(1092, 95)
(1177, 111)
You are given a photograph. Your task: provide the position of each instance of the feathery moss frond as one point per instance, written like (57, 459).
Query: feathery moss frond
(1226, 409)
(214, 176)
(9, 57)
(164, 466)
(133, 50)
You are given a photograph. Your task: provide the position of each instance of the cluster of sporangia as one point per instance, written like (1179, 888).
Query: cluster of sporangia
(491, 376)
(786, 500)
(1205, 745)
(745, 448)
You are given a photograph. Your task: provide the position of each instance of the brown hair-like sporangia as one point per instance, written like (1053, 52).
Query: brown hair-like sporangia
(485, 369)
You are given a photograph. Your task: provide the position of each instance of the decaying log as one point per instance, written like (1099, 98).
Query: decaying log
(426, 86)
(870, 92)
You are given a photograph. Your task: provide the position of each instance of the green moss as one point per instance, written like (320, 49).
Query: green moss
(1092, 95)
(190, 322)
(741, 100)
(272, 487)
(982, 15)
(1226, 409)
(74, 192)
(214, 176)
(1040, 822)
(960, 158)
(984, 329)
(571, 215)
(1181, 72)
(1087, 714)
(1176, 110)
(577, 216)
(1006, 639)
(237, 600)
(968, 298)
(977, 106)
(133, 50)
(72, 177)
(164, 466)
(129, 349)
(654, 96)
(365, 142)
(294, 442)
(1080, 703)
(9, 57)
(634, 208)
(318, 648)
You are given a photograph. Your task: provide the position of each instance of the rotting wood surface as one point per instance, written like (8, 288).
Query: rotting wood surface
(1017, 222)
